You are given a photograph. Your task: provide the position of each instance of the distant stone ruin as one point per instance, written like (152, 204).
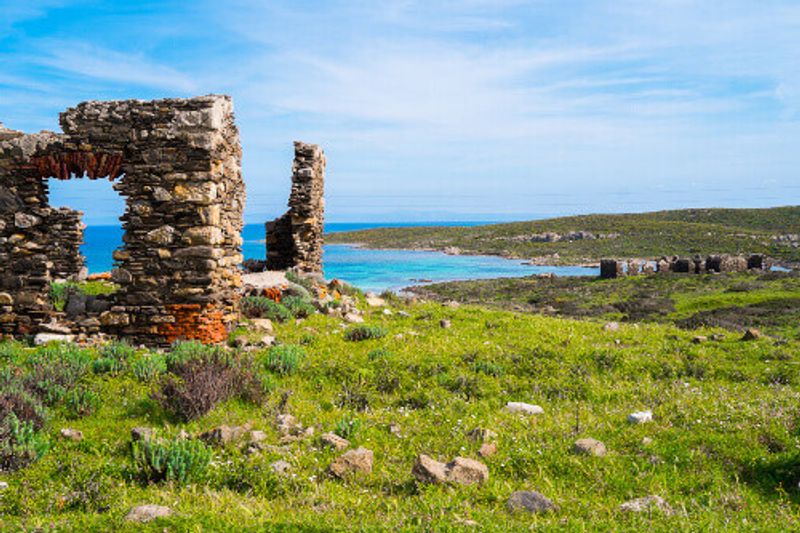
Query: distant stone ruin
(613, 268)
(294, 240)
(177, 164)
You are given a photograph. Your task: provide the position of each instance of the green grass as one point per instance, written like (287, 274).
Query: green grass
(649, 235)
(723, 452)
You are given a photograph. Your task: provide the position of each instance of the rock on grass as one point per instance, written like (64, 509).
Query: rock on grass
(524, 408)
(352, 462)
(640, 417)
(460, 471)
(146, 513)
(589, 447)
(530, 501)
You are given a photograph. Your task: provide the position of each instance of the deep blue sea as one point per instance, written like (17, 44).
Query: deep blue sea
(375, 270)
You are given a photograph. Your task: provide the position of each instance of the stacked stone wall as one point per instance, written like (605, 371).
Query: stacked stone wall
(177, 164)
(295, 239)
(613, 268)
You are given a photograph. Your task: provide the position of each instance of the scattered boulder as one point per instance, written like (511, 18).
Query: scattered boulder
(530, 501)
(524, 408)
(71, 434)
(640, 417)
(488, 449)
(335, 441)
(699, 339)
(146, 513)
(589, 447)
(428, 470)
(611, 326)
(461, 471)
(3, 485)
(261, 324)
(646, 504)
(445, 324)
(222, 435)
(352, 462)
(353, 318)
(751, 334)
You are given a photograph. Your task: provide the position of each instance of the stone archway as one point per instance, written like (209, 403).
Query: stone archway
(177, 164)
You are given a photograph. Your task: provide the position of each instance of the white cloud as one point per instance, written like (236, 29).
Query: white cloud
(110, 66)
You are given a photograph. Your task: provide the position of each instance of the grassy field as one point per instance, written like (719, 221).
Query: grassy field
(735, 301)
(722, 448)
(647, 235)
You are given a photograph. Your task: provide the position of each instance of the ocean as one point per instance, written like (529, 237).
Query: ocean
(375, 270)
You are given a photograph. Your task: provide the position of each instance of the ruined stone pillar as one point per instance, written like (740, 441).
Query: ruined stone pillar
(295, 239)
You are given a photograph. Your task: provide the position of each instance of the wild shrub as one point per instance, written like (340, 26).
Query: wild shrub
(23, 405)
(119, 351)
(11, 351)
(178, 460)
(363, 333)
(298, 307)
(284, 359)
(55, 370)
(353, 397)
(261, 307)
(20, 444)
(379, 353)
(81, 402)
(149, 367)
(198, 379)
(348, 427)
(107, 365)
(489, 368)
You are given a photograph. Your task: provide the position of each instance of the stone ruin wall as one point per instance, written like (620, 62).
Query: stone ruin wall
(177, 163)
(613, 268)
(294, 240)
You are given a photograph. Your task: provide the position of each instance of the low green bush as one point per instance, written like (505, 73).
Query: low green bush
(178, 460)
(284, 359)
(363, 333)
(348, 427)
(56, 369)
(20, 443)
(149, 367)
(379, 353)
(81, 402)
(298, 307)
(261, 307)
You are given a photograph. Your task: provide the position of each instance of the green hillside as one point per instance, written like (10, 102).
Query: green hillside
(646, 235)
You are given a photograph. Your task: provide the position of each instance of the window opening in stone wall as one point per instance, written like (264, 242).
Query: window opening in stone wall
(102, 208)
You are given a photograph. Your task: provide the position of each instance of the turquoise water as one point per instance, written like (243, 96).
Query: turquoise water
(376, 270)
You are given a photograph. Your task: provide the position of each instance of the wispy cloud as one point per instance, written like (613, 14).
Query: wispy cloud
(472, 105)
(98, 63)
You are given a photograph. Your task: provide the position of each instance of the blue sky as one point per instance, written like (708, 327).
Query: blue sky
(444, 109)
